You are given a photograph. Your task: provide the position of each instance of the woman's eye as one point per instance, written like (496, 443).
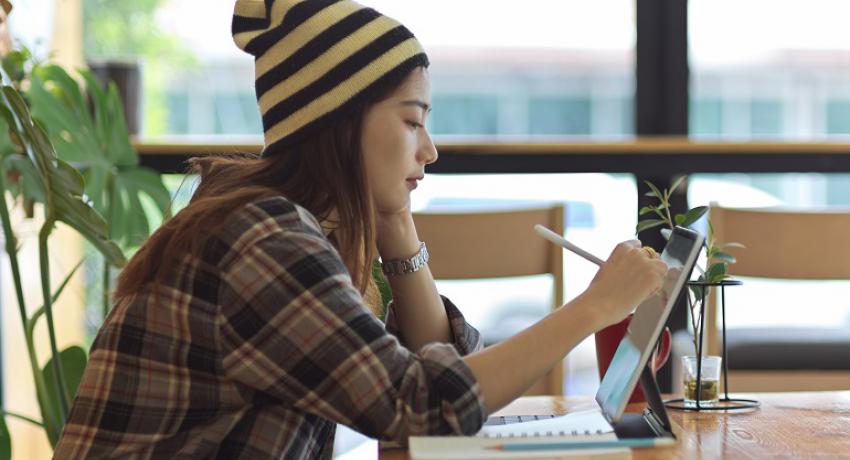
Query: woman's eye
(415, 125)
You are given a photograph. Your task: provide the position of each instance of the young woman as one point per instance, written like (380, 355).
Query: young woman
(245, 327)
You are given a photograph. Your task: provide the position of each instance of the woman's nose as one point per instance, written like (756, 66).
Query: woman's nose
(428, 151)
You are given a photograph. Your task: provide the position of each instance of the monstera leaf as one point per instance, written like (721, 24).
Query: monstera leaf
(95, 139)
(61, 184)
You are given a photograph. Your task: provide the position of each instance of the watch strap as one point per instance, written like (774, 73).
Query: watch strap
(404, 266)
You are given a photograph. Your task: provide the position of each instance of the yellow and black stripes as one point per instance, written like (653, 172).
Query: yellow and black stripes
(316, 58)
(299, 14)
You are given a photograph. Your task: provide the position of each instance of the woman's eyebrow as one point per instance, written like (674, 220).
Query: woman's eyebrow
(423, 105)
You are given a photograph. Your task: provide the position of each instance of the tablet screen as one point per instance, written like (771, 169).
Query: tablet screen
(634, 350)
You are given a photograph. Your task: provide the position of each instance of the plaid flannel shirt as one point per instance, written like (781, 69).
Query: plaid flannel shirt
(256, 351)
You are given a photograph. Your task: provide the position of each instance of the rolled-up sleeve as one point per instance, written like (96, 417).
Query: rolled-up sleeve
(465, 338)
(294, 328)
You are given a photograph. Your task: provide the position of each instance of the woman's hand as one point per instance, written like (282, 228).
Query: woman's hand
(629, 276)
(395, 234)
(418, 307)
(505, 370)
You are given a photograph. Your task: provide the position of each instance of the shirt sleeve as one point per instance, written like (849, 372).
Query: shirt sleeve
(294, 328)
(465, 338)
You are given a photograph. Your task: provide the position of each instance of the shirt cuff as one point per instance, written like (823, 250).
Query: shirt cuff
(465, 338)
(452, 381)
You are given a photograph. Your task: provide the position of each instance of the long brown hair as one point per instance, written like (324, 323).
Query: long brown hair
(323, 174)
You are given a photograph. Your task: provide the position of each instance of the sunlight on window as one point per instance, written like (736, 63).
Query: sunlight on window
(787, 78)
(549, 68)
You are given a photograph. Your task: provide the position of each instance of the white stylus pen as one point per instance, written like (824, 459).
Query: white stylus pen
(560, 241)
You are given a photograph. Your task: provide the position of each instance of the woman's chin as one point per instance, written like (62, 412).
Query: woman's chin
(395, 206)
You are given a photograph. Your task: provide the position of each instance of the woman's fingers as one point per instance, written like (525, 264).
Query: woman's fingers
(630, 275)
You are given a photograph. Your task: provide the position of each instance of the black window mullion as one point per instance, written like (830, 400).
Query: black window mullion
(661, 109)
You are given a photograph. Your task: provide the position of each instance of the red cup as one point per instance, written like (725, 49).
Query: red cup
(607, 341)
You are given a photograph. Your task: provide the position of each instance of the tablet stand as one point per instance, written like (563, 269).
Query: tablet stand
(725, 403)
(653, 422)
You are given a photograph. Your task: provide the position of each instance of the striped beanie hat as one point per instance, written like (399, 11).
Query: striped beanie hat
(316, 59)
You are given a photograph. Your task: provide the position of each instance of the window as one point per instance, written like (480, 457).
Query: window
(838, 117)
(775, 70)
(706, 117)
(560, 115)
(775, 78)
(177, 109)
(464, 114)
(494, 76)
(765, 118)
(487, 75)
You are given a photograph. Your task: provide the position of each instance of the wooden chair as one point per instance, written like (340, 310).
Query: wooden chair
(785, 245)
(495, 244)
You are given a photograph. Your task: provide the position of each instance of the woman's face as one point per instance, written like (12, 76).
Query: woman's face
(396, 147)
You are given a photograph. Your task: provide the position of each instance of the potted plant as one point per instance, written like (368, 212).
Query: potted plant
(86, 125)
(60, 191)
(64, 147)
(706, 389)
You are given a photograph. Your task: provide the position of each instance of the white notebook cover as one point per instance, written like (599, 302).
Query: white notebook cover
(587, 425)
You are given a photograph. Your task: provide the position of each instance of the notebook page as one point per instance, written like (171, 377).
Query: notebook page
(582, 423)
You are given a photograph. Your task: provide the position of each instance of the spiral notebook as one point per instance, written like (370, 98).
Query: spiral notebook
(587, 425)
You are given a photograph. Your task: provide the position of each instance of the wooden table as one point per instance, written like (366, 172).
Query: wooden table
(788, 425)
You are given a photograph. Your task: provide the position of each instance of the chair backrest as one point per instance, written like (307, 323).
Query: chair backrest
(494, 244)
(780, 243)
(786, 244)
(491, 244)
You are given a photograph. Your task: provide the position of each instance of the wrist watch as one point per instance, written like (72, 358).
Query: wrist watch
(409, 265)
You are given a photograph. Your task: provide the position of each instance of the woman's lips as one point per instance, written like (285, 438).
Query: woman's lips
(412, 183)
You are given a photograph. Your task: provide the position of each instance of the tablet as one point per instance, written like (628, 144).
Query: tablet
(649, 318)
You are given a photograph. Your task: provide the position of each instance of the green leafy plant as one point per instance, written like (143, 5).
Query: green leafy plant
(86, 126)
(64, 144)
(60, 189)
(383, 288)
(17, 64)
(95, 139)
(718, 259)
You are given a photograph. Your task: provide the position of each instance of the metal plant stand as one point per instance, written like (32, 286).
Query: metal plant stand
(725, 403)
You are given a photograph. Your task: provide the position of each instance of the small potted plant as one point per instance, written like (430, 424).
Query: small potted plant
(707, 391)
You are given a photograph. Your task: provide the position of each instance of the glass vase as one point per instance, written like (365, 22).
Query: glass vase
(709, 380)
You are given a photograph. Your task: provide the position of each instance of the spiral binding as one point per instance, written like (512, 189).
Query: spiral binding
(540, 434)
